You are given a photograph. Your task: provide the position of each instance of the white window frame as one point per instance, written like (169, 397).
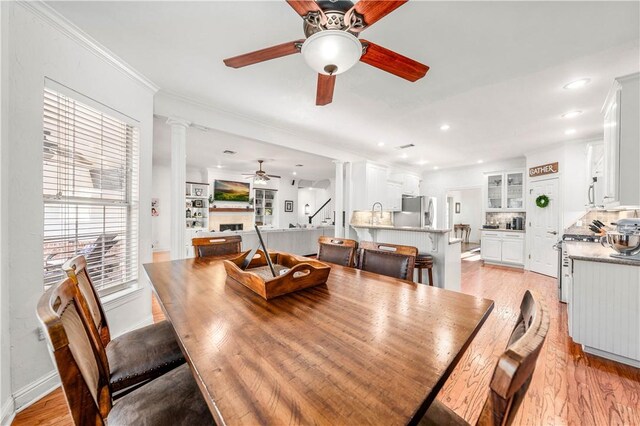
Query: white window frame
(132, 190)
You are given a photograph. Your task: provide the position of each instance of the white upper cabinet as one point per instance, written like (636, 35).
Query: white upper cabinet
(394, 196)
(369, 185)
(505, 191)
(622, 142)
(410, 183)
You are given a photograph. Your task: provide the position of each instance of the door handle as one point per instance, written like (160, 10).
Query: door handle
(552, 232)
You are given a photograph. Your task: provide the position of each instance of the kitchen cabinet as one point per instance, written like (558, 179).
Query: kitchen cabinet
(394, 196)
(410, 183)
(595, 174)
(369, 185)
(506, 247)
(621, 148)
(505, 191)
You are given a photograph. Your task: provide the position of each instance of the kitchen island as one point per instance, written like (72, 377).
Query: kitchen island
(436, 242)
(300, 241)
(604, 302)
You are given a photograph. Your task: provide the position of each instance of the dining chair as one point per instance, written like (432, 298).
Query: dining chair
(134, 357)
(512, 374)
(392, 260)
(217, 246)
(341, 251)
(172, 399)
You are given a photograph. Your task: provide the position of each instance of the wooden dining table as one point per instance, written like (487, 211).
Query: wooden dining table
(361, 349)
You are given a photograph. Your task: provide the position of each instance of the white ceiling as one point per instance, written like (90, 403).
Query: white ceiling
(497, 70)
(205, 150)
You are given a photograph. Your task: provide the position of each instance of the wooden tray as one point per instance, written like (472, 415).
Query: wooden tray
(302, 273)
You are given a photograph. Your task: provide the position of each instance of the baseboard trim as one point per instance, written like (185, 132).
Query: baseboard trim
(8, 412)
(35, 390)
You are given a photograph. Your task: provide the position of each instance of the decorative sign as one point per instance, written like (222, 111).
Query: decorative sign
(545, 169)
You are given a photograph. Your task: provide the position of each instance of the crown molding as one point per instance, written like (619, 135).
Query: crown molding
(50, 16)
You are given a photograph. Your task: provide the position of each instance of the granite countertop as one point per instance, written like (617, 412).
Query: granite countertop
(402, 228)
(503, 230)
(594, 252)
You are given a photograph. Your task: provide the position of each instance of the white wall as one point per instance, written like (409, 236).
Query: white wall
(471, 211)
(436, 183)
(40, 48)
(6, 401)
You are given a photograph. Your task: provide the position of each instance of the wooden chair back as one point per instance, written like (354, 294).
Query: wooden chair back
(341, 251)
(71, 337)
(515, 366)
(217, 246)
(76, 269)
(393, 260)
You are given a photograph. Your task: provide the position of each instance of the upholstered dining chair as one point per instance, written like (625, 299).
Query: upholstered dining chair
(341, 251)
(172, 399)
(217, 246)
(512, 374)
(387, 259)
(134, 357)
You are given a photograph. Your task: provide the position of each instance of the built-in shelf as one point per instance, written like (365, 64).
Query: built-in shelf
(224, 209)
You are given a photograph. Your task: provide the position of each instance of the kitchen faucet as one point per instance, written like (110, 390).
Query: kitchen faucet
(373, 209)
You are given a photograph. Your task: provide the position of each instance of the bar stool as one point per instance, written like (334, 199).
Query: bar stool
(424, 261)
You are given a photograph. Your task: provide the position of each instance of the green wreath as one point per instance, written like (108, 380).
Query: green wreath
(542, 201)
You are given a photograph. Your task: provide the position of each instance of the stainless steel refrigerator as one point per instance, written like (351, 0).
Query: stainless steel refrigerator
(412, 214)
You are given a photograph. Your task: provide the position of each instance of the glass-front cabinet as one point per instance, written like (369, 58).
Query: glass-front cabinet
(495, 184)
(515, 191)
(505, 191)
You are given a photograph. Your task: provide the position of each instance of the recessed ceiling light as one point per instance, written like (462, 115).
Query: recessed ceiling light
(219, 166)
(577, 84)
(445, 127)
(422, 162)
(569, 131)
(480, 161)
(404, 156)
(380, 143)
(571, 114)
(435, 167)
(294, 173)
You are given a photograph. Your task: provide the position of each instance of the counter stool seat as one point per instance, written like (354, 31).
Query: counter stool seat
(424, 261)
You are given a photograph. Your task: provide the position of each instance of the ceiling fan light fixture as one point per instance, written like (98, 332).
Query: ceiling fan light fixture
(331, 52)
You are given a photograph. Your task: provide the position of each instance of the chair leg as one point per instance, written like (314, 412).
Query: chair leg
(430, 272)
(420, 275)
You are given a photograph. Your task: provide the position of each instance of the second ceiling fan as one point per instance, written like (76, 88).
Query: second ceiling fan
(332, 46)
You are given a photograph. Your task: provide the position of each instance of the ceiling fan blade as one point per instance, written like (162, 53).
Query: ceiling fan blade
(375, 10)
(303, 7)
(275, 176)
(324, 94)
(262, 55)
(392, 62)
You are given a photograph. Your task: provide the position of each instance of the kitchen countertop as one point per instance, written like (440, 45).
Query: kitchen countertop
(403, 228)
(266, 230)
(503, 230)
(594, 252)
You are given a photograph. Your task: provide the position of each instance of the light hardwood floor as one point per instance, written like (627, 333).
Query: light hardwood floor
(568, 386)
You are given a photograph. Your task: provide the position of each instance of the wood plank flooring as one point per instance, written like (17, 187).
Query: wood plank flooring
(568, 387)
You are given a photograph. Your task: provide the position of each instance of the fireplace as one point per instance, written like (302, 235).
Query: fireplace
(230, 227)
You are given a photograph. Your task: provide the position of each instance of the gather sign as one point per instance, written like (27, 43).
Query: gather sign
(545, 169)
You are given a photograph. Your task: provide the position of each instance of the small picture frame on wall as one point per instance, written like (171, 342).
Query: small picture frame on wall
(155, 203)
(288, 206)
(457, 207)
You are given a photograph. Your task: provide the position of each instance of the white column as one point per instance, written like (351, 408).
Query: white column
(339, 225)
(178, 181)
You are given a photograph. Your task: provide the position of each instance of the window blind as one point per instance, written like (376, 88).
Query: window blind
(90, 192)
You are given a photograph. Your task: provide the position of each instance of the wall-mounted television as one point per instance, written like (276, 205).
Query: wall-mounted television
(227, 190)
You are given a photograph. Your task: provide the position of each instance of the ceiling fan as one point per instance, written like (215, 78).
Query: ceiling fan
(260, 176)
(332, 47)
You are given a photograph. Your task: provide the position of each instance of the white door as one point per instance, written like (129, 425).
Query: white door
(544, 227)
